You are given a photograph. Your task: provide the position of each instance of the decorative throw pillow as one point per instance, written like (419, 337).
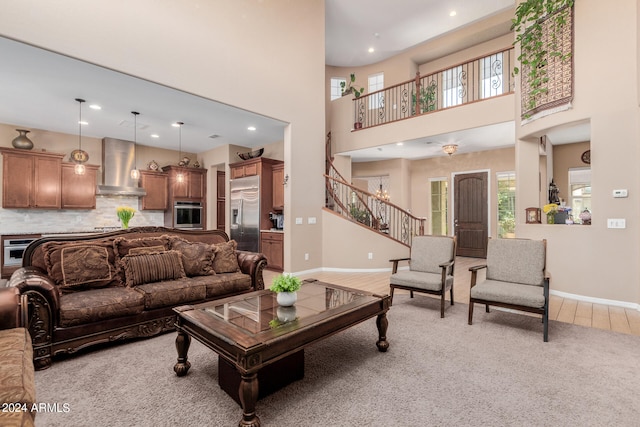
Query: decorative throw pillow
(197, 257)
(146, 250)
(74, 265)
(154, 267)
(225, 260)
(122, 245)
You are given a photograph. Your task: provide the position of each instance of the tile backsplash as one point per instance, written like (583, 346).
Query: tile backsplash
(21, 221)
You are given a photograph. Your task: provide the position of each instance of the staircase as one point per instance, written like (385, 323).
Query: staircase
(366, 209)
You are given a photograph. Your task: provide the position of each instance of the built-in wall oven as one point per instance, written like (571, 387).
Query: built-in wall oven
(188, 215)
(13, 248)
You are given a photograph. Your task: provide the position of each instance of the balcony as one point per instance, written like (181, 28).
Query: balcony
(476, 80)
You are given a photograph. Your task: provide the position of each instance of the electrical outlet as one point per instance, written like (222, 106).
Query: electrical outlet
(370, 255)
(306, 257)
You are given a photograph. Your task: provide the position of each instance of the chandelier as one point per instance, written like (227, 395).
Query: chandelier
(382, 194)
(450, 148)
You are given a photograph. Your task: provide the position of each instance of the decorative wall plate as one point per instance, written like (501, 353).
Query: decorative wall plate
(79, 156)
(586, 157)
(153, 165)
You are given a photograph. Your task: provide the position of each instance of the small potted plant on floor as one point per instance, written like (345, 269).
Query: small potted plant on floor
(286, 286)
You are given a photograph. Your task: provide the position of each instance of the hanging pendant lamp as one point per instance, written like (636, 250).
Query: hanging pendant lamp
(180, 175)
(135, 173)
(79, 168)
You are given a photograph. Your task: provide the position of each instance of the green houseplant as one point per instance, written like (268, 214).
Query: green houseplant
(528, 24)
(125, 213)
(346, 89)
(286, 286)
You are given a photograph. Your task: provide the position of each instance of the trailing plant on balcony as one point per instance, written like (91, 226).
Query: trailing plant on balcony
(535, 49)
(359, 214)
(427, 98)
(347, 89)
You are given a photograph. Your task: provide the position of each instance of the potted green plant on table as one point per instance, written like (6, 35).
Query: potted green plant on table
(286, 286)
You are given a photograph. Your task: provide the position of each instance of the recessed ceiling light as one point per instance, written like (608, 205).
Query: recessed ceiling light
(95, 107)
(399, 143)
(251, 128)
(371, 50)
(154, 135)
(175, 125)
(83, 123)
(453, 13)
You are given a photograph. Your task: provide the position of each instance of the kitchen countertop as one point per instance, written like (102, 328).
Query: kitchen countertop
(273, 230)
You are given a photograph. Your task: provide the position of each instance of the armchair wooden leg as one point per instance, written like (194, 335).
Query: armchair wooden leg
(470, 312)
(391, 294)
(487, 308)
(451, 294)
(442, 305)
(545, 326)
(411, 294)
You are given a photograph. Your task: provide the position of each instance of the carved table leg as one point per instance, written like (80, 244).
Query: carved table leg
(248, 396)
(183, 341)
(382, 324)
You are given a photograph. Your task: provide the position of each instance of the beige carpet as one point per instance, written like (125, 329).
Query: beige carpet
(437, 372)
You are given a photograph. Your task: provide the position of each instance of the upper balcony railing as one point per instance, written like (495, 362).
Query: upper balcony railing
(481, 78)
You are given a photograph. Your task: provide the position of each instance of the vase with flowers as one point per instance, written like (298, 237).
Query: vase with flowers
(551, 209)
(125, 213)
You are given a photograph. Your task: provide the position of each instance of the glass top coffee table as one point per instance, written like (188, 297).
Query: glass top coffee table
(261, 344)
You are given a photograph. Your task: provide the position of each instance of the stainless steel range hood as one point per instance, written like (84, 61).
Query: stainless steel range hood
(118, 158)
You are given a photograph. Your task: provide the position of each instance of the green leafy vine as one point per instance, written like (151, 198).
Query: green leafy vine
(529, 25)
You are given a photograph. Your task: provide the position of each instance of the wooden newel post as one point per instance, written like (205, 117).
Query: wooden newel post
(418, 107)
(421, 229)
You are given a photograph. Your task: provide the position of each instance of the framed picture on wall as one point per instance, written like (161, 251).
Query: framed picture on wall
(533, 216)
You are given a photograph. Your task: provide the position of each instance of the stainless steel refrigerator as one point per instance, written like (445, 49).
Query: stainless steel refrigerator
(245, 213)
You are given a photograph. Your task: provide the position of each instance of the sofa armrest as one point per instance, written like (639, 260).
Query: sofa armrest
(43, 310)
(253, 263)
(13, 308)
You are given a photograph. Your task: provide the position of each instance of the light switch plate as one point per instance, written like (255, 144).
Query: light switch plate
(620, 193)
(298, 220)
(616, 223)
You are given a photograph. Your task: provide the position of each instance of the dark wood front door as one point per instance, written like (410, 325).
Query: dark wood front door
(470, 214)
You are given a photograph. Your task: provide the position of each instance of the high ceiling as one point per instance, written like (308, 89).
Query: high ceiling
(40, 93)
(390, 27)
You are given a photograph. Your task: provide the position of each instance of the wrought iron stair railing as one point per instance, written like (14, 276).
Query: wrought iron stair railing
(366, 208)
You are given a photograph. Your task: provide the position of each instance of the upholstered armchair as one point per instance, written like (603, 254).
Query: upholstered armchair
(515, 278)
(431, 266)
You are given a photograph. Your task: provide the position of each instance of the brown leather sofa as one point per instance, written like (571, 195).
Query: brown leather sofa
(124, 284)
(17, 381)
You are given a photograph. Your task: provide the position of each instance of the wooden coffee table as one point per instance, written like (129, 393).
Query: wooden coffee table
(253, 335)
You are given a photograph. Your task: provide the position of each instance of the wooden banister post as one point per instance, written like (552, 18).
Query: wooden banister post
(418, 107)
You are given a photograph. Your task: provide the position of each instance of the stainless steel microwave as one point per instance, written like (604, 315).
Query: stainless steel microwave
(188, 215)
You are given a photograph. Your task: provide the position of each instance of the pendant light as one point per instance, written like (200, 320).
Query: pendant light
(79, 169)
(180, 175)
(135, 173)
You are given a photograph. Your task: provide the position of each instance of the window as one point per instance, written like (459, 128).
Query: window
(439, 196)
(506, 204)
(491, 76)
(452, 89)
(376, 82)
(580, 185)
(336, 89)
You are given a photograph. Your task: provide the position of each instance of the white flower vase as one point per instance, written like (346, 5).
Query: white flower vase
(286, 314)
(286, 299)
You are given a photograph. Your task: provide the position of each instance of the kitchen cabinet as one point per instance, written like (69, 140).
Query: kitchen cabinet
(278, 187)
(247, 168)
(272, 246)
(221, 201)
(193, 186)
(156, 184)
(78, 191)
(31, 179)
